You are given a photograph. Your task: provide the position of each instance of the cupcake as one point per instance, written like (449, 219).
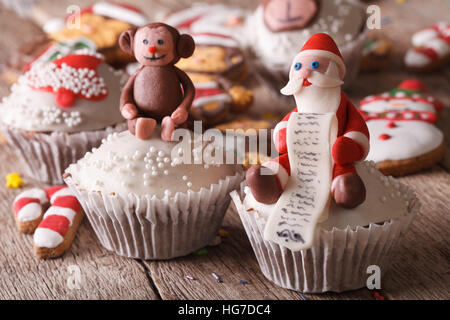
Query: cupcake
(60, 110)
(345, 243)
(144, 201)
(278, 29)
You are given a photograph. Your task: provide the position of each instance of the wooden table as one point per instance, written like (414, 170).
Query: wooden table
(420, 271)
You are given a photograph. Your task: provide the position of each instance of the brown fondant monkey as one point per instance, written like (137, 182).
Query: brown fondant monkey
(158, 91)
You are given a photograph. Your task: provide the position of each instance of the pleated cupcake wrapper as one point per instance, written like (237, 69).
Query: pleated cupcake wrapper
(47, 155)
(338, 260)
(150, 228)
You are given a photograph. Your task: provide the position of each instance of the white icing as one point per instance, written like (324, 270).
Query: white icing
(60, 211)
(34, 110)
(422, 37)
(47, 238)
(61, 193)
(441, 47)
(372, 210)
(397, 105)
(409, 139)
(306, 198)
(414, 58)
(205, 39)
(117, 12)
(35, 193)
(341, 20)
(29, 212)
(54, 25)
(126, 165)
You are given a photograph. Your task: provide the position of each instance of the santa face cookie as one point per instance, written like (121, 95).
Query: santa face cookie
(102, 23)
(278, 29)
(431, 48)
(403, 135)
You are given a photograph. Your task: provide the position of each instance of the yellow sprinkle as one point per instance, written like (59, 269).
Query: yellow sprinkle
(13, 180)
(223, 233)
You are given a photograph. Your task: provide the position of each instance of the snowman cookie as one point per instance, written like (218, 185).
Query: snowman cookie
(403, 135)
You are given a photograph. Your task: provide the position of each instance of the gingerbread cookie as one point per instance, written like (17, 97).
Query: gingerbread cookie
(403, 135)
(55, 233)
(215, 67)
(377, 54)
(102, 23)
(431, 48)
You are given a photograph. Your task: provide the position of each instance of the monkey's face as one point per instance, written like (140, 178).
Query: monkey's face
(154, 46)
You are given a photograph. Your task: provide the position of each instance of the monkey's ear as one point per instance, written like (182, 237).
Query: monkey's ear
(126, 40)
(186, 46)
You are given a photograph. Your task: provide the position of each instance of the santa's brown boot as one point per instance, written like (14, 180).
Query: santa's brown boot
(349, 190)
(264, 187)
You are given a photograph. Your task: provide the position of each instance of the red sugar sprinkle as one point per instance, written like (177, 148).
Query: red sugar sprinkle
(391, 125)
(384, 136)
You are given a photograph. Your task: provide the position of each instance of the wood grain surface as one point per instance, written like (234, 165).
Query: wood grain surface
(420, 268)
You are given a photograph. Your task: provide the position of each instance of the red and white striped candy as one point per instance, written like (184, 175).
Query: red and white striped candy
(58, 218)
(28, 204)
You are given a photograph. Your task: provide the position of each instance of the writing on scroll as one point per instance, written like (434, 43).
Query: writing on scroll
(306, 197)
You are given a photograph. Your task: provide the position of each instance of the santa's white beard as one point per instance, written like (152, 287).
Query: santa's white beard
(323, 96)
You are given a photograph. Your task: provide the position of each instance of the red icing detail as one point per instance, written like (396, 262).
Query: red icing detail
(306, 83)
(425, 116)
(65, 98)
(207, 92)
(79, 61)
(188, 23)
(384, 136)
(127, 6)
(50, 191)
(412, 84)
(69, 202)
(22, 202)
(391, 125)
(429, 52)
(152, 49)
(56, 223)
(322, 41)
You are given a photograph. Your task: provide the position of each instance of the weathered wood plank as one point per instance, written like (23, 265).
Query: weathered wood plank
(104, 275)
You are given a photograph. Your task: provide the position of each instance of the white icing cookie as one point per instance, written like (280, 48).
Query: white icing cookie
(341, 19)
(408, 139)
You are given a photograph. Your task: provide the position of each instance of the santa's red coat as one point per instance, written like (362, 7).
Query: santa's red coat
(352, 143)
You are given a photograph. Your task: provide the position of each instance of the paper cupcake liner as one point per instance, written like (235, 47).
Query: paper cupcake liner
(47, 155)
(150, 228)
(338, 260)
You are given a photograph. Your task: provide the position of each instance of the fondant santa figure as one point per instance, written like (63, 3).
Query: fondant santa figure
(315, 81)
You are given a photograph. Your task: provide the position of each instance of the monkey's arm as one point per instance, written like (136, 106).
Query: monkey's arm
(180, 115)
(127, 106)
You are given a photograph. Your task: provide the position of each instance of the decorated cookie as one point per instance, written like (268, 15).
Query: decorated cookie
(209, 18)
(277, 30)
(216, 67)
(377, 53)
(57, 230)
(29, 207)
(60, 109)
(403, 135)
(102, 23)
(157, 47)
(431, 48)
(171, 195)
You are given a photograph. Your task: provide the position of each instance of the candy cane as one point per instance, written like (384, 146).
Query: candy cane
(56, 232)
(29, 207)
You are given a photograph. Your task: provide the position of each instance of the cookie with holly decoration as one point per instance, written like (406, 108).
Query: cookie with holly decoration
(403, 135)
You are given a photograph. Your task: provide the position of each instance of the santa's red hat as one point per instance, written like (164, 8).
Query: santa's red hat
(322, 45)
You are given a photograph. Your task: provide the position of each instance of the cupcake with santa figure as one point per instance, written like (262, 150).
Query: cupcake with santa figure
(319, 215)
(59, 110)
